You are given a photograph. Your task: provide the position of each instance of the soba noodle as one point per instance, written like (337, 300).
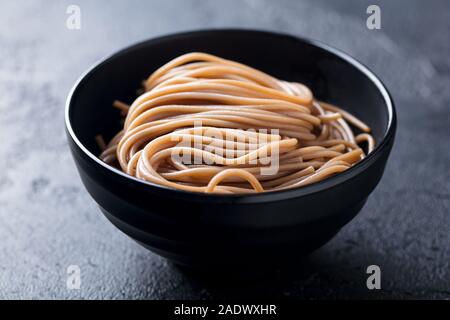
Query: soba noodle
(207, 124)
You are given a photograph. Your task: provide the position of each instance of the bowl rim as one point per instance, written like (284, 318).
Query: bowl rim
(243, 198)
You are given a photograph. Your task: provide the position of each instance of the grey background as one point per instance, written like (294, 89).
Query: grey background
(48, 221)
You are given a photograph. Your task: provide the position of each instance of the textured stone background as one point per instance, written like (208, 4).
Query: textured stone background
(48, 221)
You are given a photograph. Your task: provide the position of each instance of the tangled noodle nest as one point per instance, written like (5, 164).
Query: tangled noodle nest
(207, 124)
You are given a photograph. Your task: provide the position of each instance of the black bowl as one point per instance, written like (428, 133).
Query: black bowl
(225, 231)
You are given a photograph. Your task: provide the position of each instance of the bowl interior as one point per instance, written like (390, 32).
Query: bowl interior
(331, 76)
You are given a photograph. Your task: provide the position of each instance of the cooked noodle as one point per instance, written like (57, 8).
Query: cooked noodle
(212, 125)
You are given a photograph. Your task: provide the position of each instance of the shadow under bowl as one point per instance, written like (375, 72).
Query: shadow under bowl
(231, 232)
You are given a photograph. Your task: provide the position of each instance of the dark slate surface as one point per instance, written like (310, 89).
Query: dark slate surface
(48, 221)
